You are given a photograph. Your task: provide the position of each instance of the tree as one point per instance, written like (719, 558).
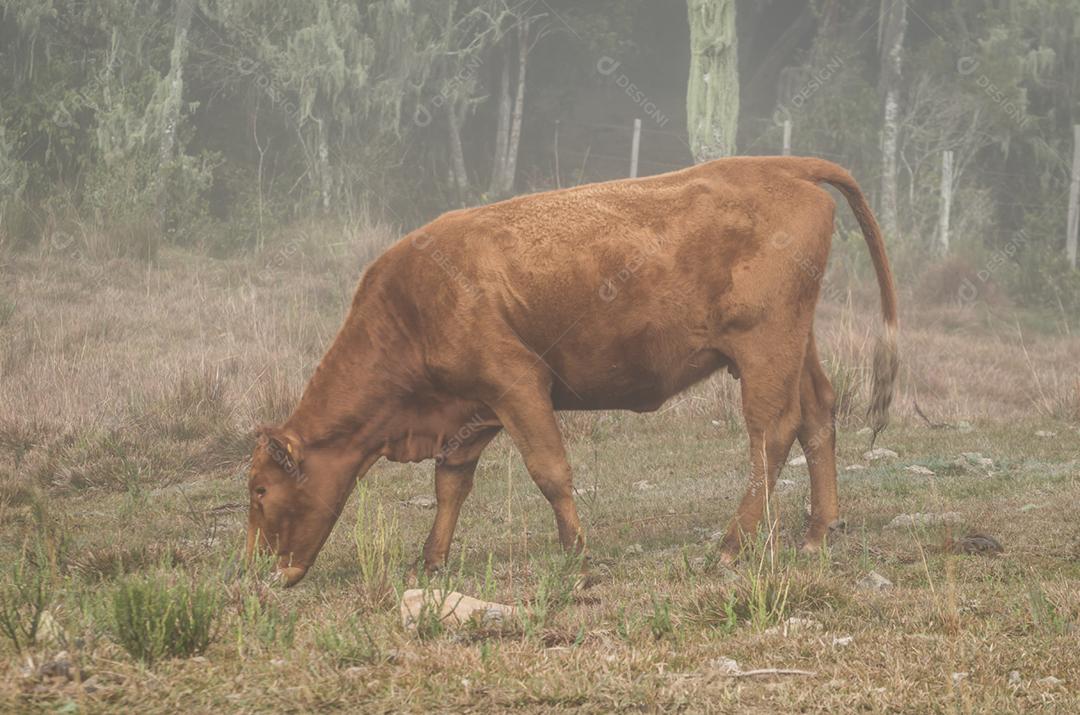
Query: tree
(893, 27)
(173, 95)
(712, 93)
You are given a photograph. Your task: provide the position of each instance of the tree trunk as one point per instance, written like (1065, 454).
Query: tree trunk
(502, 128)
(170, 109)
(455, 118)
(505, 171)
(712, 95)
(519, 109)
(893, 28)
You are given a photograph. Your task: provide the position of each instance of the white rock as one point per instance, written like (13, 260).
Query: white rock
(454, 608)
(957, 677)
(841, 641)
(1014, 678)
(644, 485)
(794, 626)
(1045, 434)
(797, 461)
(874, 581)
(904, 521)
(919, 469)
(854, 467)
(728, 666)
(49, 631)
(1049, 681)
(423, 501)
(878, 453)
(976, 459)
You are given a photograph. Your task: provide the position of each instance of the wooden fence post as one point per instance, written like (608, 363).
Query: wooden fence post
(634, 149)
(946, 201)
(1073, 223)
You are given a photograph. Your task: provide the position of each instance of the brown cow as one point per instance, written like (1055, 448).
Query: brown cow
(608, 296)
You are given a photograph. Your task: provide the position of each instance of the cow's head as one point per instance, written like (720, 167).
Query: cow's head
(294, 502)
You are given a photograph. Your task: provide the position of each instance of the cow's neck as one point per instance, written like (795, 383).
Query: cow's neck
(348, 403)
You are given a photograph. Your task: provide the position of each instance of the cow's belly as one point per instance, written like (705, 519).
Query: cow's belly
(630, 384)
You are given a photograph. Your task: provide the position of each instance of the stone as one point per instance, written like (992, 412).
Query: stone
(976, 459)
(879, 453)
(854, 467)
(841, 641)
(423, 501)
(919, 469)
(634, 550)
(454, 608)
(1045, 434)
(957, 677)
(874, 581)
(1014, 679)
(797, 461)
(1049, 681)
(728, 666)
(794, 626)
(905, 521)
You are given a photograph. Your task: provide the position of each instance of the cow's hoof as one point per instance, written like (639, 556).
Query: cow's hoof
(815, 540)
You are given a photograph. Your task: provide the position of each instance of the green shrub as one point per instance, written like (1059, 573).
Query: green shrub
(554, 592)
(26, 591)
(379, 551)
(155, 617)
(262, 624)
(351, 645)
(660, 622)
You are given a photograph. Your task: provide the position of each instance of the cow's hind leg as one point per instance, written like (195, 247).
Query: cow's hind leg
(770, 397)
(817, 435)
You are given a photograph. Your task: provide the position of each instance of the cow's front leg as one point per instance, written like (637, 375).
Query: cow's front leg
(527, 414)
(454, 473)
(453, 482)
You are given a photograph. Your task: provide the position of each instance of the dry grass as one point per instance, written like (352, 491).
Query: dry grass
(127, 400)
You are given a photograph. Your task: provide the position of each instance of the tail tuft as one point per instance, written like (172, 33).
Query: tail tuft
(886, 366)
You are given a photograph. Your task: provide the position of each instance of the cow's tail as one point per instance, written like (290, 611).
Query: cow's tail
(886, 361)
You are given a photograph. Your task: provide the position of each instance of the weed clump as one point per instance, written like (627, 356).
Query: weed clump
(155, 617)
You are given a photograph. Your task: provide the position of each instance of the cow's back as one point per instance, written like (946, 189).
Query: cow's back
(625, 289)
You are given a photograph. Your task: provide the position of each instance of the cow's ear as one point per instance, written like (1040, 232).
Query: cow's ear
(284, 445)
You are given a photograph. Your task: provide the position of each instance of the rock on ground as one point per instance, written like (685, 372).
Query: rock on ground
(904, 521)
(454, 608)
(874, 581)
(879, 453)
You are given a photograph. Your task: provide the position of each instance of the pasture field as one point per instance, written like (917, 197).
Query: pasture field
(128, 398)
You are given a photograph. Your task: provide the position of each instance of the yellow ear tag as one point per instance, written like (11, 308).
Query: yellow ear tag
(288, 448)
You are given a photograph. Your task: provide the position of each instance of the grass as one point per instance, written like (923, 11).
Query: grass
(159, 616)
(128, 400)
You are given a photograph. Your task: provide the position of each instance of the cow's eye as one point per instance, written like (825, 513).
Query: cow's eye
(260, 491)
